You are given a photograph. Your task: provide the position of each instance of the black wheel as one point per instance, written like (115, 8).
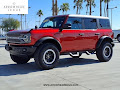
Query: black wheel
(46, 57)
(104, 52)
(118, 38)
(20, 59)
(75, 55)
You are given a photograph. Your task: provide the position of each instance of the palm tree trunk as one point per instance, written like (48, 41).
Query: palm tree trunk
(87, 10)
(90, 7)
(77, 6)
(107, 8)
(53, 8)
(56, 7)
(100, 8)
(77, 10)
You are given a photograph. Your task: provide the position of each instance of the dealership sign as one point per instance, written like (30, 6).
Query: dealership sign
(13, 6)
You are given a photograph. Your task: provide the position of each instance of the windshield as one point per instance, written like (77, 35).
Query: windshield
(53, 22)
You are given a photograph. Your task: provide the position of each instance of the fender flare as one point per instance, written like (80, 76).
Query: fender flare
(103, 38)
(49, 39)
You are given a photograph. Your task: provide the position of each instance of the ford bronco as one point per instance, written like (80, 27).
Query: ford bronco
(62, 34)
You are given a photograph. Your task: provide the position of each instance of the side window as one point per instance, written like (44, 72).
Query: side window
(90, 23)
(104, 23)
(76, 23)
(49, 24)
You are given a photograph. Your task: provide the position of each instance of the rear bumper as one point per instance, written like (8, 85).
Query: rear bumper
(21, 50)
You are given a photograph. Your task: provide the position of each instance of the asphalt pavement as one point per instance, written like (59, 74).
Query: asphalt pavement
(85, 73)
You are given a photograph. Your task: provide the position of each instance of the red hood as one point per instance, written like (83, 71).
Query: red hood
(28, 30)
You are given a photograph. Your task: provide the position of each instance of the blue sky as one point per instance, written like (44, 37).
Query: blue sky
(46, 5)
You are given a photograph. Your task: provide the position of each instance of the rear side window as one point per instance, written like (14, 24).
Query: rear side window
(76, 23)
(90, 23)
(104, 23)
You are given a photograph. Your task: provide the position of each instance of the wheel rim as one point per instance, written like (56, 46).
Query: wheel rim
(49, 56)
(107, 52)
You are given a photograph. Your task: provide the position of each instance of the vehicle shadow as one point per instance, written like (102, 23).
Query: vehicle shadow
(14, 69)
(75, 61)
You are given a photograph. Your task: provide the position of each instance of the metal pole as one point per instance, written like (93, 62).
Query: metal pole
(21, 21)
(25, 21)
(111, 17)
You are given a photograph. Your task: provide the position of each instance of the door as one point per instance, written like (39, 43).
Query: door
(89, 35)
(70, 37)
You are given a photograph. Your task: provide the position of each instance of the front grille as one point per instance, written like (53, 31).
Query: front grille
(11, 34)
(13, 37)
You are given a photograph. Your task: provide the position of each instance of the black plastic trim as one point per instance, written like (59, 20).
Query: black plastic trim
(102, 39)
(21, 50)
(42, 40)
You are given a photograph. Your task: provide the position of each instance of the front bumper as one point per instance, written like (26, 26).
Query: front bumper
(21, 50)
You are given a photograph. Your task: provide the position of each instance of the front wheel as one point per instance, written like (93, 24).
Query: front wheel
(47, 55)
(20, 59)
(104, 52)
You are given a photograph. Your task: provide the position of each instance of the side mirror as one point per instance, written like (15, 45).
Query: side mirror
(36, 27)
(67, 26)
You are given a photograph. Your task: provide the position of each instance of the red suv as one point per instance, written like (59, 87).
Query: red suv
(63, 34)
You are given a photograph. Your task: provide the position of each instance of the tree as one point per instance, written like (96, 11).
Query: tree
(64, 7)
(40, 13)
(10, 23)
(54, 9)
(101, 7)
(78, 4)
(106, 6)
(89, 4)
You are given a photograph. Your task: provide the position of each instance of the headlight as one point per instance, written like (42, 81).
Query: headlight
(26, 38)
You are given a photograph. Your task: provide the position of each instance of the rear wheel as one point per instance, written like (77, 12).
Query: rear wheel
(47, 55)
(75, 55)
(104, 52)
(20, 59)
(118, 38)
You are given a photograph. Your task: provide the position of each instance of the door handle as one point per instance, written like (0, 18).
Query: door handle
(81, 34)
(97, 33)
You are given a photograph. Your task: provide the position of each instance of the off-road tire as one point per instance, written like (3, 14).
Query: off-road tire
(104, 52)
(118, 38)
(46, 56)
(20, 59)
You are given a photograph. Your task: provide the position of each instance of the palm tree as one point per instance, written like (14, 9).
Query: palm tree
(106, 7)
(40, 13)
(90, 3)
(54, 9)
(78, 4)
(64, 7)
(101, 7)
